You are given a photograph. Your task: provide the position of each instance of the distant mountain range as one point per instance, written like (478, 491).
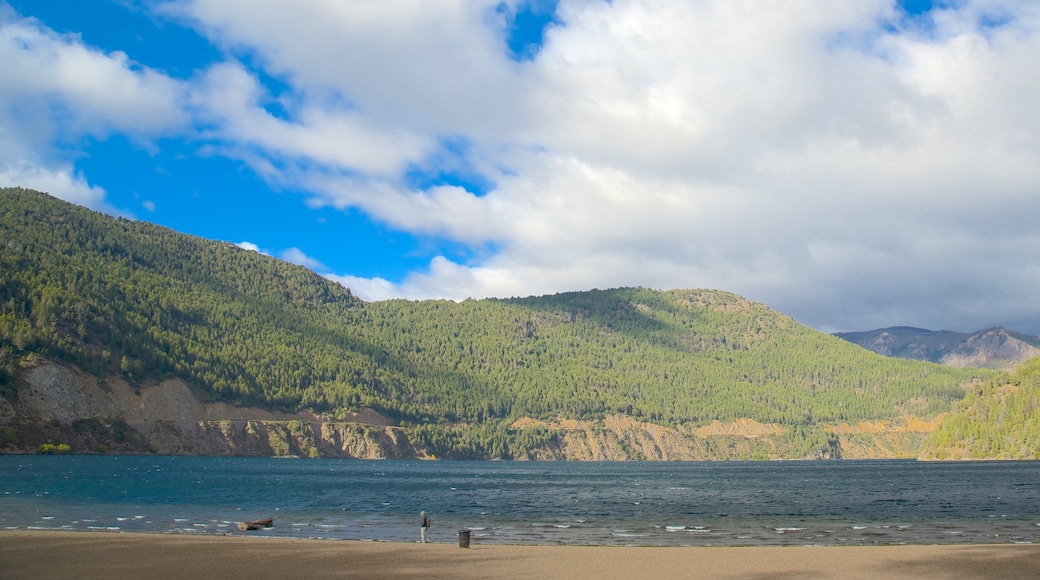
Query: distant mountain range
(993, 348)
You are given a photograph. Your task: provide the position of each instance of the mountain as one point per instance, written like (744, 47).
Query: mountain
(993, 348)
(999, 419)
(110, 327)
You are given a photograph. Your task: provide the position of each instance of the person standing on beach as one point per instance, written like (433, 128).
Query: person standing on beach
(422, 527)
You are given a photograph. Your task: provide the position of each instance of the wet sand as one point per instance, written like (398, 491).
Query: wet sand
(40, 554)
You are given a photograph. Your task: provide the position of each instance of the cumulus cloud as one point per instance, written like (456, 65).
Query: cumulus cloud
(437, 68)
(296, 256)
(844, 162)
(231, 102)
(57, 91)
(47, 75)
(251, 247)
(59, 182)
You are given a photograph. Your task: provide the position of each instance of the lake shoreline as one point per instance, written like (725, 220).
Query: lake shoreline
(81, 555)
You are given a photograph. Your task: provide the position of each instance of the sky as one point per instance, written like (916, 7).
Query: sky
(854, 164)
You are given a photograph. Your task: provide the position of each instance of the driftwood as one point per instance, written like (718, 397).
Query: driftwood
(255, 525)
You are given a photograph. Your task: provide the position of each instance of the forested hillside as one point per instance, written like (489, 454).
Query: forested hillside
(999, 419)
(114, 296)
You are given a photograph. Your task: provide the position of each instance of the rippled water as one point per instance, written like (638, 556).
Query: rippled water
(695, 503)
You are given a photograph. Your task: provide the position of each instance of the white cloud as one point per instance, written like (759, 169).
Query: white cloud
(439, 68)
(231, 101)
(805, 155)
(296, 256)
(60, 182)
(836, 161)
(56, 91)
(293, 256)
(371, 288)
(251, 247)
(57, 83)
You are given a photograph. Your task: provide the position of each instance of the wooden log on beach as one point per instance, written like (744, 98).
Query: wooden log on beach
(255, 525)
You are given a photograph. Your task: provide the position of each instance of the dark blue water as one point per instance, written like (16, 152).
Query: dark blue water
(697, 503)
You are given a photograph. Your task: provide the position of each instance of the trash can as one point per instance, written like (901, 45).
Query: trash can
(463, 538)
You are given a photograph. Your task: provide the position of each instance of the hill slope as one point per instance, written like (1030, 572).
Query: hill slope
(145, 304)
(993, 348)
(999, 419)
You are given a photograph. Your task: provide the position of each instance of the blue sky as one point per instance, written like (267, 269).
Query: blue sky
(860, 165)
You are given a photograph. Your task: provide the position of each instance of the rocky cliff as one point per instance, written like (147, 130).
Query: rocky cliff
(59, 405)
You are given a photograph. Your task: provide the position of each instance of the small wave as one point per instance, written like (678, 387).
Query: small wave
(674, 528)
(180, 519)
(782, 530)
(48, 517)
(859, 527)
(627, 535)
(562, 526)
(121, 519)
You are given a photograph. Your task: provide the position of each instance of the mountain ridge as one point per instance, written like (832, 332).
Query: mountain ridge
(995, 348)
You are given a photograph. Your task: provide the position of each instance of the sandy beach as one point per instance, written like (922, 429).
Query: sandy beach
(38, 554)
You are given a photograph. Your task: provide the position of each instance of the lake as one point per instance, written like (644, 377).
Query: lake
(574, 503)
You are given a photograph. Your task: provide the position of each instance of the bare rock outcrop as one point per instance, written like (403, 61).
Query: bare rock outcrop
(173, 421)
(993, 348)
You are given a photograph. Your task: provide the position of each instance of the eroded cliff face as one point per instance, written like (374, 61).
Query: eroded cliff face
(171, 420)
(280, 439)
(56, 402)
(621, 438)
